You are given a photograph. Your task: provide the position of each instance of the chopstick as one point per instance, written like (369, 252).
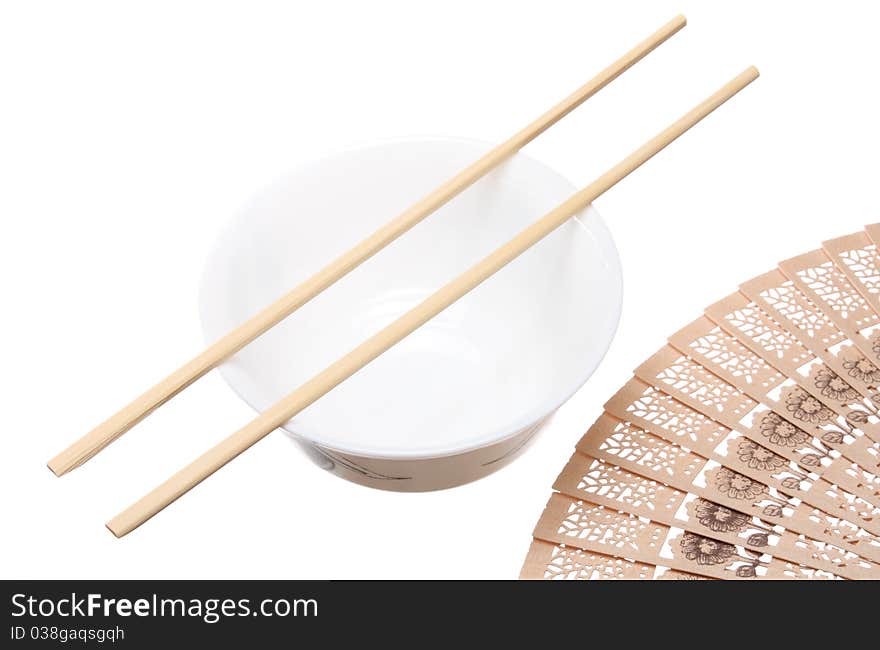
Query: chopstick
(323, 382)
(108, 431)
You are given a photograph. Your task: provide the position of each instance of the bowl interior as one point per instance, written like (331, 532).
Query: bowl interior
(505, 355)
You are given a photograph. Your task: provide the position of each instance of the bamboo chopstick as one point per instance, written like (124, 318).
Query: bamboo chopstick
(323, 382)
(105, 433)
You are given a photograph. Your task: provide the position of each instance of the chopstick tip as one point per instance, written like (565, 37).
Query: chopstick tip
(56, 468)
(117, 533)
(746, 77)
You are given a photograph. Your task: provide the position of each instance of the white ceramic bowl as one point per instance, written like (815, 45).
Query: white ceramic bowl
(461, 396)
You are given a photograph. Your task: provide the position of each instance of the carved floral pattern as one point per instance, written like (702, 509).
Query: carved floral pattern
(807, 408)
(833, 386)
(705, 551)
(862, 369)
(737, 486)
(719, 518)
(782, 432)
(757, 457)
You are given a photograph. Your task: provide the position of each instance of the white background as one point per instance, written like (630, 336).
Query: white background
(129, 132)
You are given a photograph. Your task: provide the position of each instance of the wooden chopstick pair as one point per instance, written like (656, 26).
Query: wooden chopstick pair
(347, 365)
(216, 353)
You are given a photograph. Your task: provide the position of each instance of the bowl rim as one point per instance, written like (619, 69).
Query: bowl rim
(542, 412)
